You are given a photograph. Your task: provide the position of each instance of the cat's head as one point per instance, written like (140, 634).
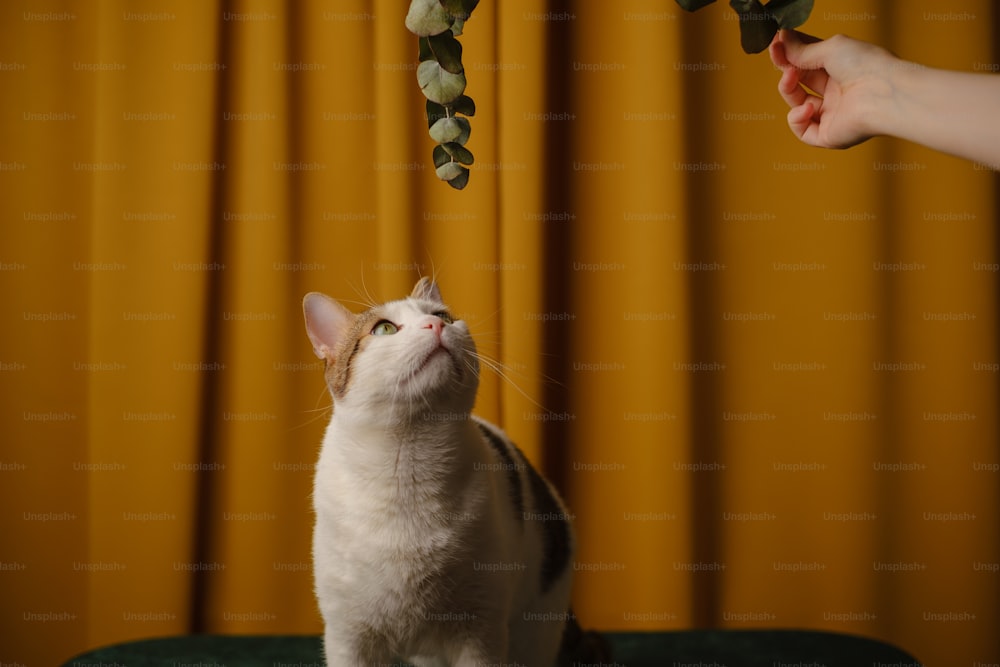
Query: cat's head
(403, 358)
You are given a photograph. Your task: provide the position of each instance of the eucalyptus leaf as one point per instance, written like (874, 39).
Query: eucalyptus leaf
(790, 13)
(460, 181)
(424, 51)
(466, 130)
(447, 51)
(459, 152)
(435, 112)
(444, 130)
(428, 17)
(757, 26)
(463, 104)
(450, 129)
(460, 9)
(449, 170)
(437, 84)
(440, 156)
(694, 5)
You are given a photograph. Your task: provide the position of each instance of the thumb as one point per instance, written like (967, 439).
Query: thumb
(802, 50)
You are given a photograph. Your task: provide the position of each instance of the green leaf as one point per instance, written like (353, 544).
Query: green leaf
(757, 26)
(459, 152)
(449, 129)
(463, 104)
(455, 129)
(466, 130)
(447, 51)
(460, 181)
(444, 130)
(435, 112)
(440, 156)
(694, 5)
(428, 17)
(460, 9)
(457, 27)
(437, 84)
(790, 13)
(424, 49)
(449, 170)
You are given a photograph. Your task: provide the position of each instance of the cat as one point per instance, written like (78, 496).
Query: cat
(435, 542)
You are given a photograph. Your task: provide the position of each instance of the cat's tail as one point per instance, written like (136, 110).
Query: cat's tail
(581, 646)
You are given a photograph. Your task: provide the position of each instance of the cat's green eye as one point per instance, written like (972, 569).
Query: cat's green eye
(384, 328)
(445, 316)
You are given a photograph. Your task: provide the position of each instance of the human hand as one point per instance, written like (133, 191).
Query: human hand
(849, 80)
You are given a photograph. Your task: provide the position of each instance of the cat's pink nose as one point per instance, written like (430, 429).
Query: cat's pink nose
(434, 324)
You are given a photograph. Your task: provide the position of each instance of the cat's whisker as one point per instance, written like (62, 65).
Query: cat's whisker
(501, 370)
(363, 304)
(473, 368)
(484, 318)
(497, 364)
(321, 412)
(324, 393)
(371, 302)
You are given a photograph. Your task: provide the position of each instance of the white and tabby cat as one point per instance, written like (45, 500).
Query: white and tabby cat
(435, 541)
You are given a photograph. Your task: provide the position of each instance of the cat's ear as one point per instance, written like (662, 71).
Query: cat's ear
(326, 323)
(427, 290)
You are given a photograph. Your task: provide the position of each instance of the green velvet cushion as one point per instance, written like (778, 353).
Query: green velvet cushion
(693, 648)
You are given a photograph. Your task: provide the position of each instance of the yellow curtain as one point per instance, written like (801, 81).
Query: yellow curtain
(763, 375)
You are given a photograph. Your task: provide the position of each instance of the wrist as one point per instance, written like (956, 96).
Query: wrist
(886, 95)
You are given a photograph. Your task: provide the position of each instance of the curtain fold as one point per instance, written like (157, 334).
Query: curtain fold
(764, 376)
(628, 449)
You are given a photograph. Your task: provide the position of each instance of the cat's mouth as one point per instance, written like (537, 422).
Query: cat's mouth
(438, 363)
(432, 357)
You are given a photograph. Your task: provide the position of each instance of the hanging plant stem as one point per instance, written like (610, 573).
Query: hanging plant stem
(441, 77)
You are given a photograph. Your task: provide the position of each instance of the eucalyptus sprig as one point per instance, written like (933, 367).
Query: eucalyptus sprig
(759, 22)
(441, 77)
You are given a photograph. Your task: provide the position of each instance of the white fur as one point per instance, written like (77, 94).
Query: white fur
(418, 553)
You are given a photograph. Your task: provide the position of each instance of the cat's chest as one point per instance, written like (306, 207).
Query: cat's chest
(403, 476)
(398, 563)
(397, 512)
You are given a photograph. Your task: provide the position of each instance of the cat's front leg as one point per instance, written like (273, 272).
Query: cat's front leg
(477, 653)
(475, 658)
(342, 652)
